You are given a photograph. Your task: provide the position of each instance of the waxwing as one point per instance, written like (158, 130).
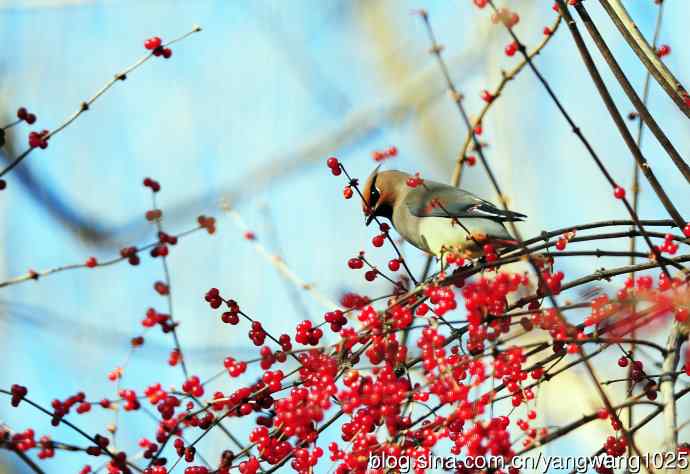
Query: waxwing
(435, 217)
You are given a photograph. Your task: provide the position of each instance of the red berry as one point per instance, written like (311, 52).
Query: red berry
(167, 52)
(153, 43)
(347, 192)
(486, 96)
(560, 245)
(355, 263)
(394, 265)
(663, 50)
(378, 240)
(332, 162)
(153, 214)
(513, 20)
(152, 184)
(91, 262)
(619, 192)
(686, 230)
(511, 49)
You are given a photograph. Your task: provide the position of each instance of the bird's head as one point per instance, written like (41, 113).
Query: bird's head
(380, 193)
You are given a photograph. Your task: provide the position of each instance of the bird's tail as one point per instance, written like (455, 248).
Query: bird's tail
(513, 216)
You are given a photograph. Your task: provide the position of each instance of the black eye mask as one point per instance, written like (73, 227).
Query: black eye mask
(374, 194)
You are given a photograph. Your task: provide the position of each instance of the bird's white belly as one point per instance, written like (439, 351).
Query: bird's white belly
(440, 233)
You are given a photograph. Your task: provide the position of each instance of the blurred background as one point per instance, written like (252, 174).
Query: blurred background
(248, 111)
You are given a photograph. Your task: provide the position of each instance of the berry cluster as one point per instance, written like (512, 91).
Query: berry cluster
(166, 406)
(39, 139)
(235, 368)
(382, 155)
(669, 246)
(232, 315)
(130, 253)
(213, 298)
(153, 318)
(334, 166)
(208, 223)
(552, 281)
(353, 301)
(506, 16)
(155, 45)
(130, 399)
(336, 319)
(307, 334)
(268, 357)
(25, 116)
(18, 394)
(22, 441)
(193, 387)
(415, 181)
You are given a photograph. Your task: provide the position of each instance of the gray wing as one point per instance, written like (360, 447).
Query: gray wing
(433, 199)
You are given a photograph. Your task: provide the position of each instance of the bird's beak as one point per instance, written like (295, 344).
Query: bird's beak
(370, 215)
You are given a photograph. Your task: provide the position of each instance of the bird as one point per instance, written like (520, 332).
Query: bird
(437, 218)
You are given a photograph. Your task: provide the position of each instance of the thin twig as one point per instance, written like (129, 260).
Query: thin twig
(611, 106)
(86, 105)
